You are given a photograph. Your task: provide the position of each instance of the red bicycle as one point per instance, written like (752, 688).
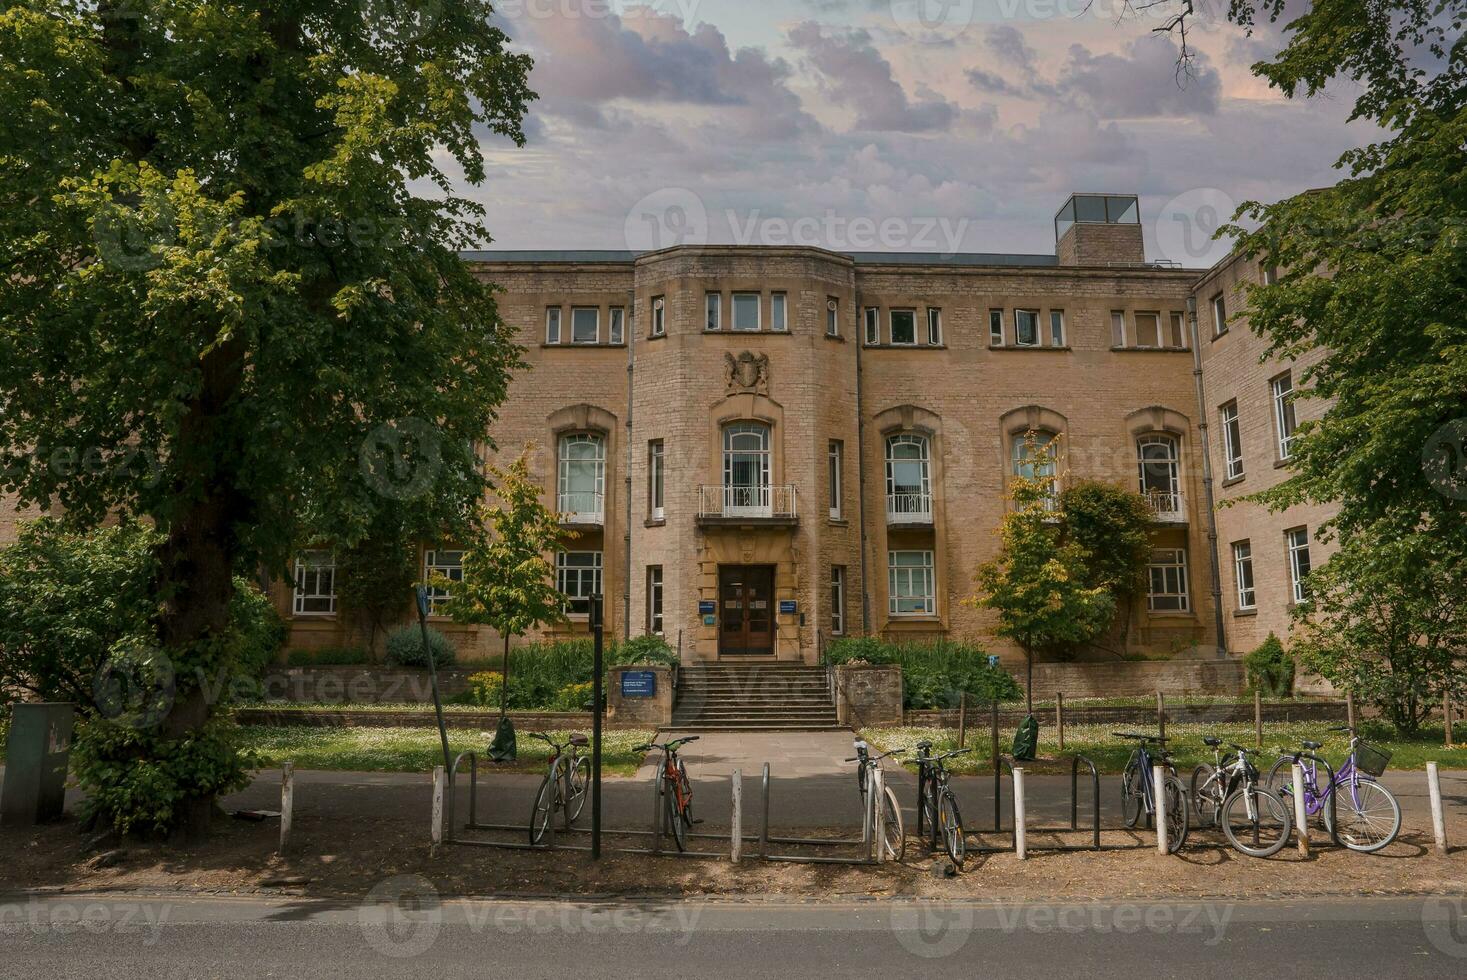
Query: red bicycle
(676, 790)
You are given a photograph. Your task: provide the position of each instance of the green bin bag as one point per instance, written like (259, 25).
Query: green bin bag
(502, 749)
(1026, 739)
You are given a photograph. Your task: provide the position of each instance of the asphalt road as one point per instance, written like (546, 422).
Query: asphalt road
(412, 934)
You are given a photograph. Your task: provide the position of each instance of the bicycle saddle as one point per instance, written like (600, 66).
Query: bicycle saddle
(1311, 746)
(924, 744)
(579, 739)
(1213, 742)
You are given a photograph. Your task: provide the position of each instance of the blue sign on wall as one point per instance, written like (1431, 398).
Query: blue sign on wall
(707, 607)
(993, 660)
(787, 607)
(638, 684)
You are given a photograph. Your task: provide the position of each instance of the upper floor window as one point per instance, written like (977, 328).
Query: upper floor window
(552, 325)
(1178, 332)
(1158, 462)
(873, 326)
(832, 317)
(1298, 544)
(746, 467)
(995, 328)
(1219, 315)
(934, 326)
(778, 312)
(582, 477)
(1057, 328)
(904, 327)
(315, 584)
(1026, 328)
(616, 325)
(585, 325)
(1117, 328)
(835, 458)
(1270, 274)
(656, 478)
(1148, 329)
(441, 564)
(713, 305)
(659, 311)
(1283, 413)
(1033, 459)
(1243, 574)
(746, 311)
(908, 480)
(1232, 433)
(1167, 581)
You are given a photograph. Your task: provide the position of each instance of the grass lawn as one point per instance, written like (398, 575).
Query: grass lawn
(414, 749)
(1110, 754)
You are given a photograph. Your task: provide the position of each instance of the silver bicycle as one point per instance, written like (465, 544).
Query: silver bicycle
(1254, 820)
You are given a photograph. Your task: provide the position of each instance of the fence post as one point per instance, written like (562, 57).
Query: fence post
(1447, 716)
(878, 815)
(962, 718)
(1160, 715)
(1059, 717)
(764, 826)
(1021, 845)
(1438, 819)
(1158, 793)
(440, 777)
(736, 836)
(1350, 709)
(1257, 719)
(287, 802)
(997, 772)
(1301, 812)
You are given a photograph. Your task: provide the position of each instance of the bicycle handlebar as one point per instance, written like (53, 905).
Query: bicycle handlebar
(1143, 738)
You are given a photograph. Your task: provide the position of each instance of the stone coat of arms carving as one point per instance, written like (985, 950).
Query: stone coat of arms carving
(747, 372)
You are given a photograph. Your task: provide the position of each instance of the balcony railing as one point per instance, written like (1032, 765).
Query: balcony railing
(581, 507)
(909, 508)
(1166, 507)
(755, 503)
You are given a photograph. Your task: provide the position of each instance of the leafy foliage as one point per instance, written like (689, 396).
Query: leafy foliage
(1113, 525)
(375, 576)
(405, 647)
(573, 697)
(934, 675)
(328, 657)
(1270, 669)
(645, 649)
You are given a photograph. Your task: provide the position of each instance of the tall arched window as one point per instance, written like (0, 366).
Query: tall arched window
(1026, 447)
(582, 478)
(746, 470)
(908, 478)
(1158, 465)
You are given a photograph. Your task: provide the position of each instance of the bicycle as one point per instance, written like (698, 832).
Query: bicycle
(1374, 814)
(678, 804)
(895, 838)
(1137, 793)
(567, 776)
(1255, 821)
(938, 804)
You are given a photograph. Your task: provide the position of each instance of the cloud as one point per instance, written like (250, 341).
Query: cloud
(1141, 81)
(1009, 45)
(854, 74)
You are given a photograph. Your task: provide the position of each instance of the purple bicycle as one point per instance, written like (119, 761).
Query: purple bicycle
(1356, 809)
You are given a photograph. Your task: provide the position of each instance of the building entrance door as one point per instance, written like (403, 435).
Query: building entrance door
(746, 610)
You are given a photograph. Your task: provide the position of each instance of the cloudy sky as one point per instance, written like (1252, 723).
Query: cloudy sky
(925, 125)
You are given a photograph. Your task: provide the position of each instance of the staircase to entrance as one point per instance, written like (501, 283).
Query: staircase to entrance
(754, 697)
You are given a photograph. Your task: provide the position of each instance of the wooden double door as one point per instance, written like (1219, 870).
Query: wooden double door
(746, 610)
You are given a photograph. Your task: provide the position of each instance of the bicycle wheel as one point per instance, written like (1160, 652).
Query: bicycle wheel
(1280, 780)
(1264, 836)
(544, 810)
(1176, 813)
(687, 784)
(1133, 794)
(1368, 816)
(895, 840)
(677, 826)
(1206, 795)
(927, 813)
(951, 824)
(580, 787)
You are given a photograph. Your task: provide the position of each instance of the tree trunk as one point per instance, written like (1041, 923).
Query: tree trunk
(504, 681)
(1029, 678)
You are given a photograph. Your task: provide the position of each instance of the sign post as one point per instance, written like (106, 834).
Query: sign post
(598, 672)
(422, 592)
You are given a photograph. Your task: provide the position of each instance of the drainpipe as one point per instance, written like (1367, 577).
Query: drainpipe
(859, 341)
(1202, 427)
(626, 594)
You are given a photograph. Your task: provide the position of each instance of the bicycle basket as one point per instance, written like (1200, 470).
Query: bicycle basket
(1371, 760)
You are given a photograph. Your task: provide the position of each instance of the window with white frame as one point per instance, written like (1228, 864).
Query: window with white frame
(908, 479)
(1219, 315)
(1057, 328)
(1282, 388)
(1148, 330)
(746, 311)
(934, 326)
(904, 327)
(713, 306)
(1298, 544)
(832, 317)
(1117, 328)
(654, 599)
(837, 600)
(441, 564)
(873, 326)
(1158, 462)
(1026, 328)
(911, 584)
(835, 456)
(552, 325)
(616, 325)
(779, 312)
(578, 577)
(1178, 331)
(746, 468)
(1243, 574)
(1033, 459)
(659, 313)
(315, 583)
(1167, 581)
(1232, 432)
(995, 328)
(656, 479)
(582, 476)
(585, 325)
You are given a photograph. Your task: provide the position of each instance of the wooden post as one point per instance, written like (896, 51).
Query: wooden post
(736, 836)
(440, 778)
(878, 813)
(1257, 719)
(1059, 717)
(287, 803)
(1158, 792)
(1447, 716)
(962, 718)
(1160, 715)
(1020, 833)
(1350, 709)
(1438, 819)
(1301, 812)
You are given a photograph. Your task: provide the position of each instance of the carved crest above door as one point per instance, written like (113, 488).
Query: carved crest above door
(746, 372)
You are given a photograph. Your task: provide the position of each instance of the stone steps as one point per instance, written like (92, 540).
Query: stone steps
(754, 697)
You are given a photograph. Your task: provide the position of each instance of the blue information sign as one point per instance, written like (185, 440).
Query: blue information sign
(993, 660)
(707, 607)
(787, 607)
(638, 684)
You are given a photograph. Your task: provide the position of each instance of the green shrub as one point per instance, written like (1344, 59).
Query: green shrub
(573, 697)
(258, 629)
(405, 648)
(328, 657)
(1270, 669)
(484, 688)
(934, 675)
(645, 649)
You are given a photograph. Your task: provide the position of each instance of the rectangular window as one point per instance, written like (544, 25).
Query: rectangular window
(1243, 574)
(1270, 275)
(835, 457)
(1178, 337)
(578, 577)
(1117, 328)
(837, 600)
(1298, 542)
(904, 327)
(778, 315)
(656, 476)
(832, 317)
(1232, 433)
(1167, 580)
(659, 308)
(713, 303)
(315, 583)
(654, 599)
(585, 325)
(746, 311)
(995, 328)
(552, 325)
(1026, 328)
(873, 326)
(1219, 316)
(1283, 413)
(1148, 330)
(444, 564)
(616, 325)
(934, 326)
(910, 584)
(1057, 328)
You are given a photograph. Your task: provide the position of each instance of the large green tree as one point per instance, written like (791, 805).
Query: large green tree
(230, 295)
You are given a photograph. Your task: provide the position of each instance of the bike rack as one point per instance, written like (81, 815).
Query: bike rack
(1076, 761)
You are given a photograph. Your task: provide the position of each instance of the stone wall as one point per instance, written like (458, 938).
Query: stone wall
(868, 695)
(1179, 678)
(655, 711)
(361, 685)
(485, 720)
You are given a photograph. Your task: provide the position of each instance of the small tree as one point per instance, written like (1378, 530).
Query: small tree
(375, 576)
(1387, 621)
(1113, 525)
(1037, 584)
(508, 582)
